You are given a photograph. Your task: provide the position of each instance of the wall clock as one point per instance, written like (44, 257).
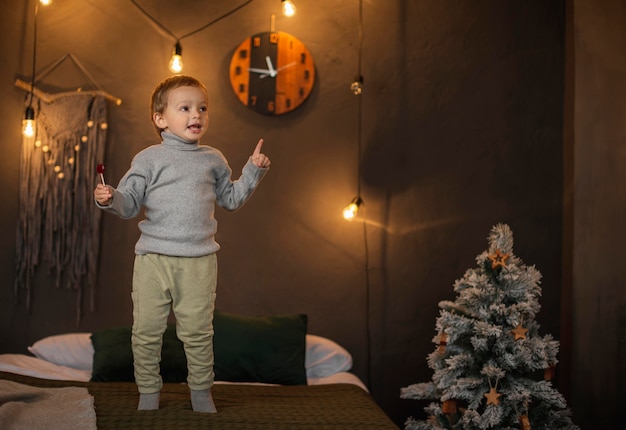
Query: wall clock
(272, 73)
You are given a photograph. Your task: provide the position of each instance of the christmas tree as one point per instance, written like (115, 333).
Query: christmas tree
(492, 368)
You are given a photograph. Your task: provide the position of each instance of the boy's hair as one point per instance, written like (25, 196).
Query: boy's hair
(158, 101)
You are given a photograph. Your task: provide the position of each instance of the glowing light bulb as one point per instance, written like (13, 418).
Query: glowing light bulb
(289, 9)
(176, 62)
(45, 2)
(28, 128)
(350, 211)
(357, 86)
(28, 123)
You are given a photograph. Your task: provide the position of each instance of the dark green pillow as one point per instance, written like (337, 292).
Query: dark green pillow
(113, 356)
(247, 349)
(260, 349)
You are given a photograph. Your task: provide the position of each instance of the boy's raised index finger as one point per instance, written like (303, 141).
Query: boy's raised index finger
(259, 145)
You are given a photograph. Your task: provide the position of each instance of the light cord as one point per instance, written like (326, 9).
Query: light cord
(365, 242)
(191, 33)
(32, 80)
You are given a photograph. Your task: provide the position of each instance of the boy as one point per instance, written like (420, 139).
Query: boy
(178, 182)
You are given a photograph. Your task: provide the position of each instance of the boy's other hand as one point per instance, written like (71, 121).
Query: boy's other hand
(103, 194)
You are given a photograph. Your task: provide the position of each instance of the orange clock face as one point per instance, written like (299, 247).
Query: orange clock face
(272, 73)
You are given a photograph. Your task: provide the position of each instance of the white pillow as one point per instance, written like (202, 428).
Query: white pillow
(23, 364)
(71, 350)
(324, 357)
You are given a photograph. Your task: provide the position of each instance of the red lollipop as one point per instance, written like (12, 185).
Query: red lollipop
(100, 170)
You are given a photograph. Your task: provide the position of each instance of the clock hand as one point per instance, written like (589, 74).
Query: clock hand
(269, 72)
(285, 66)
(268, 60)
(263, 71)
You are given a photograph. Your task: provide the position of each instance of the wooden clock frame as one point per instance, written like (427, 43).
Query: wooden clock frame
(272, 73)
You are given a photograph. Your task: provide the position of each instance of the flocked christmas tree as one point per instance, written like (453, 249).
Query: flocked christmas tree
(492, 368)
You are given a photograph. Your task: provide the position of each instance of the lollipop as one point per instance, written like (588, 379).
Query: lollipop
(100, 170)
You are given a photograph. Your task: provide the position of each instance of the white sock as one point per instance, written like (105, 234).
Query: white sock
(149, 401)
(202, 401)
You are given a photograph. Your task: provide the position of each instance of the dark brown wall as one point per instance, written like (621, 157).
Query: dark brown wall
(599, 210)
(462, 128)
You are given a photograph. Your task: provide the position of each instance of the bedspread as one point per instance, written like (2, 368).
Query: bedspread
(240, 406)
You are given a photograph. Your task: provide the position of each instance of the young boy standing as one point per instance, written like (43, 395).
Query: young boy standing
(179, 182)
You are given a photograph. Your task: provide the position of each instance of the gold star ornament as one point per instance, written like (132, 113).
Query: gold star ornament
(498, 259)
(493, 397)
(519, 332)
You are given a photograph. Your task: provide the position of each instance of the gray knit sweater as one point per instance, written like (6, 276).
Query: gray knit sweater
(179, 182)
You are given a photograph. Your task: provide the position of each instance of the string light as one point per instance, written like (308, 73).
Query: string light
(289, 9)
(176, 62)
(29, 126)
(28, 123)
(350, 211)
(357, 86)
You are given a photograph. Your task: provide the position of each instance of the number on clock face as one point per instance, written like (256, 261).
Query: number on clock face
(272, 73)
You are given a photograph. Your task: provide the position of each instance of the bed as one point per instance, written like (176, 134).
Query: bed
(270, 374)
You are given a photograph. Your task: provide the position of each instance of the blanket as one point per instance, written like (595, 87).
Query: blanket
(24, 407)
(240, 407)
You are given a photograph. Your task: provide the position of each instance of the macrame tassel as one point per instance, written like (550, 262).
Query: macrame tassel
(58, 223)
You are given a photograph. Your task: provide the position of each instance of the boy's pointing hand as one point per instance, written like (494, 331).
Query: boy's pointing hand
(258, 158)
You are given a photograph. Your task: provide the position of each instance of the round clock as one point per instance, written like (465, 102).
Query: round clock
(272, 73)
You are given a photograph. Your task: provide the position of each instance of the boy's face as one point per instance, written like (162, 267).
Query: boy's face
(186, 114)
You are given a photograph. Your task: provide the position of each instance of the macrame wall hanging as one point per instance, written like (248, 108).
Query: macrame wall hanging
(58, 223)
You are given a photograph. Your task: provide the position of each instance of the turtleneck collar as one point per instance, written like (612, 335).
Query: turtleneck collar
(171, 140)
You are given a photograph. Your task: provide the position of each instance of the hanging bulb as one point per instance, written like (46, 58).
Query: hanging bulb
(350, 211)
(28, 123)
(45, 2)
(176, 62)
(288, 8)
(357, 86)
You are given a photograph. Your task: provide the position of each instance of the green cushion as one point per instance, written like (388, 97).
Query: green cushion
(260, 349)
(267, 349)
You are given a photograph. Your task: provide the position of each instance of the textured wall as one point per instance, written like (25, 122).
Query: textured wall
(599, 210)
(461, 129)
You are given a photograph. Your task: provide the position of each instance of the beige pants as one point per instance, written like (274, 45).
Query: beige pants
(187, 285)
